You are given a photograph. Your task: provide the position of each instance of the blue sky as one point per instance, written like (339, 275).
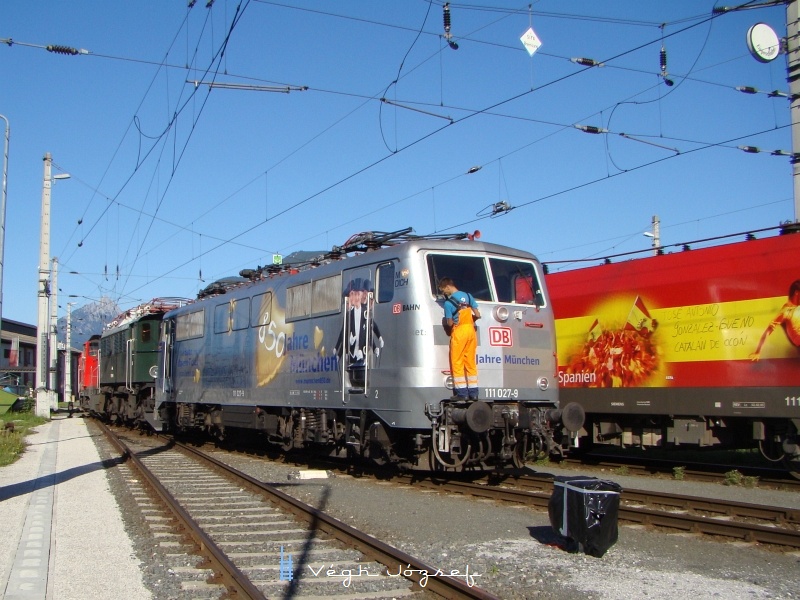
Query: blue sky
(175, 184)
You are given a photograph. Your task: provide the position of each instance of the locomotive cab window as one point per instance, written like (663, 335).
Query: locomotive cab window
(515, 282)
(468, 273)
(145, 332)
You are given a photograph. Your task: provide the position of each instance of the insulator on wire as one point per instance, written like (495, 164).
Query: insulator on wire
(750, 149)
(591, 129)
(447, 35)
(586, 62)
(63, 50)
(663, 59)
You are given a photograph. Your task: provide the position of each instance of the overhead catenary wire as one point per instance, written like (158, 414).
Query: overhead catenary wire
(485, 112)
(471, 114)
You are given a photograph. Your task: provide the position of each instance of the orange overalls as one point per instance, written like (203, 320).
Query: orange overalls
(463, 347)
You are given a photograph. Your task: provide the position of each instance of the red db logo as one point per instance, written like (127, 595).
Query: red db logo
(500, 336)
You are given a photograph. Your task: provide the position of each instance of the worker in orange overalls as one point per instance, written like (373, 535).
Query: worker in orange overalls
(460, 314)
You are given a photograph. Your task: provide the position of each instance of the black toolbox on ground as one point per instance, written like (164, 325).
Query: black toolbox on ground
(585, 510)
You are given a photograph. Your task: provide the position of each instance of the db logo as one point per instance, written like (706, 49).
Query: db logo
(397, 308)
(500, 336)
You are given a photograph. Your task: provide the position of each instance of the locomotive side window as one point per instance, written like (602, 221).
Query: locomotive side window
(232, 316)
(261, 309)
(145, 332)
(189, 325)
(385, 280)
(240, 313)
(326, 295)
(222, 318)
(316, 297)
(468, 272)
(298, 301)
(516, 282)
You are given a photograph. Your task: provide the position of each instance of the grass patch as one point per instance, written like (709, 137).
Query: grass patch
(733, 478)
(12, 443)
(749, 481)
(540, 460)
(679, 473)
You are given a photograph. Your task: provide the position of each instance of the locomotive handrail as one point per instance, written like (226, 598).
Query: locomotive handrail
(343, 366)
(129, 363)
(368, 346)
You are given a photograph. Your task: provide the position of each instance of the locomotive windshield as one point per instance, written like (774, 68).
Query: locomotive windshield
(499, 280)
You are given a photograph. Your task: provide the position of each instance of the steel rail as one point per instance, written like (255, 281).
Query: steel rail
(232, 577)
(391, 557)
(691, 470)
(729, 508)
(684, 522)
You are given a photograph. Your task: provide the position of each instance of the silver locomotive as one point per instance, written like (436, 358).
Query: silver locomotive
(345, 354)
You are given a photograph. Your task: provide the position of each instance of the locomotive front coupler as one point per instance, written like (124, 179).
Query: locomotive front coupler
(571, 417)
(476, 415)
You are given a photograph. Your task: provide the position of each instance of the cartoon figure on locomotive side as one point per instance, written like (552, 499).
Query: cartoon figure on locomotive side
(259, 357)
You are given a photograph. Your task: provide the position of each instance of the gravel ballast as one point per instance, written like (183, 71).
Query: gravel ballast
(512, 551)
(516, 552)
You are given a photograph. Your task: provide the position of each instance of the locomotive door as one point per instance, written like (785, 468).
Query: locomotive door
(359, 336)
(165, 370)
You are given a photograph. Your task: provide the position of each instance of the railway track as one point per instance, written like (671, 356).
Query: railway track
(259, 542)
(770, 525)
(775, 526)
(690, 471)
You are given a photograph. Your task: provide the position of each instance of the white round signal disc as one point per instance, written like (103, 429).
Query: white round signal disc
(763, 42)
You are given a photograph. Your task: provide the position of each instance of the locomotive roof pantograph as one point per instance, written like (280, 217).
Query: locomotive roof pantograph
(156, 306)
(358, 243)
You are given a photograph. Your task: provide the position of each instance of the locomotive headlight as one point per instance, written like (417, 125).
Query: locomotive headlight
(543, 383)
(501, 314)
